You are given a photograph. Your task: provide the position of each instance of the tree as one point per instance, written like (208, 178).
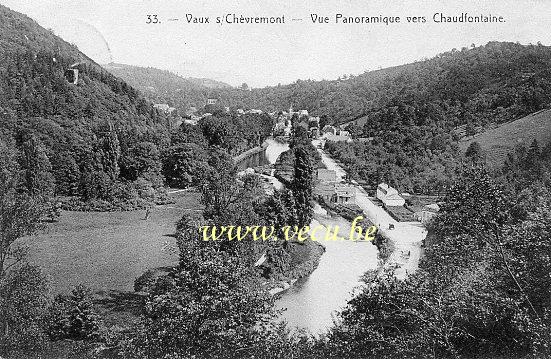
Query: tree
(220, 132)
(302, 186)
(209, 306)
(184, 165)
(23, 288)
(111, 154)
(38, 177)
(20, 214)
(475, 153)
(24, 298)
(470, 129)
(73, 316)
(142, 160)
(67, 174)
(220, 190)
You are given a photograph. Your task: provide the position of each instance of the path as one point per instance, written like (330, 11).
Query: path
(407, 237)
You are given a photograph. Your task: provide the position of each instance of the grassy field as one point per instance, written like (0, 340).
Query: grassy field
(498, 142)
(108, 251)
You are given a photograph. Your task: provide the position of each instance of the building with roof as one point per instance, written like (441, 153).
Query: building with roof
(389, 195)
(326, 175)
(335, 192)
(428, 212)
(164, 107)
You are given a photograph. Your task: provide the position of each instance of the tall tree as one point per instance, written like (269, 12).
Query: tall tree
(111, 154)
(302, 186)
(39, 180)
(19, 213)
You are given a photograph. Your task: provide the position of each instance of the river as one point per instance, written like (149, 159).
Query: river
(312, 302)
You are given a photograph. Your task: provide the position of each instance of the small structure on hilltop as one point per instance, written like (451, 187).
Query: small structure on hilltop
(389, 195)
(71, 75)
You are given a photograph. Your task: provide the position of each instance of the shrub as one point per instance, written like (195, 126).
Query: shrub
(73, 317)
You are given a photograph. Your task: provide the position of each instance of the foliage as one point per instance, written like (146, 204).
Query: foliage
(209, 306)
(24, 298)
(73, 317)
(302, 187)
(475, 294)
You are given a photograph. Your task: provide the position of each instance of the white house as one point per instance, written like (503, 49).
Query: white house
(164, 107)
(389, 195)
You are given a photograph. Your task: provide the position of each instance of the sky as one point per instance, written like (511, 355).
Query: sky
(269, 54)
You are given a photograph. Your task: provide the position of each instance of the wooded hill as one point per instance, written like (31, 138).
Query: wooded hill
(80, 132)
(163, 86)
(492, 83)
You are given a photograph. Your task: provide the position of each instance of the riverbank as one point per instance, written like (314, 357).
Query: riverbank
(403, 249)
(252, 151)
(312, 301)
(306, 265)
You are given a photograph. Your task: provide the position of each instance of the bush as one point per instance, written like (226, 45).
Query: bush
(73, 317)
(23, 304)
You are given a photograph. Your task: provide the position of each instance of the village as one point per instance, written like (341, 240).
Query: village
(340, 192)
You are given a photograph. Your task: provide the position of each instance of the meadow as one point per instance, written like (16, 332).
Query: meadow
(498, 142)
(108, 250)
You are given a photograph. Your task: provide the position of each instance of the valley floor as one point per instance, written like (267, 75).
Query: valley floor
(406, 237)
(109, 250)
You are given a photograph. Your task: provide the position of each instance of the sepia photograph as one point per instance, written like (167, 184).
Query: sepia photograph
(307, 179)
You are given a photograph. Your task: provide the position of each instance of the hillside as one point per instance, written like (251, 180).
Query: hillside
(493, 83)
(79, 134)
(498, 142)
(162, 86)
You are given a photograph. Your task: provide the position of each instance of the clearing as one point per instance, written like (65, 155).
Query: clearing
(109, 250)
(498, 142)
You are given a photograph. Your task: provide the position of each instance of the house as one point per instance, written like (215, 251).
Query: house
(365, 139)
(334, 192)
(326, 175)
(191, 111)
(192, 121)
(389, 196)
(164, 107)
(427, 213)
(337, 138)
(345, 193)
(211, 101)
(329, 129)
(325, 191)
(314, 133)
